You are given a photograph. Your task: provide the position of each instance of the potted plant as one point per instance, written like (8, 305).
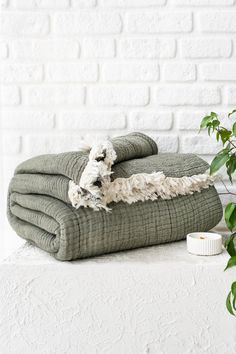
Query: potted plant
(226, 157)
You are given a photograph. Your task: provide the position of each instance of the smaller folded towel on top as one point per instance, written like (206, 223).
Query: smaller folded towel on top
(133, 146)
(97, 190)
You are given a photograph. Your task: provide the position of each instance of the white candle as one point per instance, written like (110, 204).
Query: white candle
(204, 243)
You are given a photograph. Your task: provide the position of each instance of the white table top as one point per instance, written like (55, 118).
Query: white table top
(172, 253)
(150, 300)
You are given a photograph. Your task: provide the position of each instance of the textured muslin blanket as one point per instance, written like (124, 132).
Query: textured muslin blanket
(40, 211)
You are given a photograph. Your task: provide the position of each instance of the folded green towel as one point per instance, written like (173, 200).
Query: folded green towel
(40, 210)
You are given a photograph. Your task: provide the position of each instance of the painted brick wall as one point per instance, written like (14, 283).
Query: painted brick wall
(75, 70)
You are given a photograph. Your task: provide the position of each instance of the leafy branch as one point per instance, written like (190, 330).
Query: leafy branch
(225, 157)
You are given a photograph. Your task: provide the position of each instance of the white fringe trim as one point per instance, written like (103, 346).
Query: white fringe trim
(96, 190)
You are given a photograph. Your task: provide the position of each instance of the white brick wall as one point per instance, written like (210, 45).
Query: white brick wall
(73, 70)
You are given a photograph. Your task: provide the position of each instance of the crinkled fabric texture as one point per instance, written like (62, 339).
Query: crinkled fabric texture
(39, 209)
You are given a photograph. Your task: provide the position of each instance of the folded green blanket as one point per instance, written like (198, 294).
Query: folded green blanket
(39, 208)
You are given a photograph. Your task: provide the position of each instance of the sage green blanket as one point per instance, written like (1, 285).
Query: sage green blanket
(39, 209)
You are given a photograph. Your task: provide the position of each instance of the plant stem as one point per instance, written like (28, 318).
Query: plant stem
(232, 143)
(228, 191)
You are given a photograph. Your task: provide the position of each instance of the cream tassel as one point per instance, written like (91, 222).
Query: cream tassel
(143, 186)
(97, 191)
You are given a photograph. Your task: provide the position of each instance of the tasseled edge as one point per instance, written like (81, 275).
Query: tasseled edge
(96, 190)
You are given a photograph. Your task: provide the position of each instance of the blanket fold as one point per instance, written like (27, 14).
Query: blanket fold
(39, 208)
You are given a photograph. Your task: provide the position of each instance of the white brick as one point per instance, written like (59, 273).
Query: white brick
(11, 144)
(72, 72)
(20, 73)
(189, 120)
(151, 120)
(41, 144)
(54, 95)
(132, 3)
(9, 164)
(187, 95)
(202, 2)
(166, 143)
(9, 95)
(91, 138)
(219, 21)
(44, 49)
(91, 120)
(179, 71)
(3, 50)
(218, 72)
(130, 71)
(159, 22)
(118, 96)
(87, 22)
(84, 3)
(231, 95)
(206, 48)
(197, 144)
(27, 120)
(146, 48)
(24, 24)
(98, 48)
(54, 117)
(39, 4)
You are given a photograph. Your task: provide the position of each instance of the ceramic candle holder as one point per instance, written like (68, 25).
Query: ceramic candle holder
(204, 243)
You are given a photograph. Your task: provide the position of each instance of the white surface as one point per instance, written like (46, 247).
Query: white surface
(78, 69)
(204, 243)
(158, 300)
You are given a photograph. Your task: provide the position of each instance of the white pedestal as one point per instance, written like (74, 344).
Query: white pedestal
(154, 300)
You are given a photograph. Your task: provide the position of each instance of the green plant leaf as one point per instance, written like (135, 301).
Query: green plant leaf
(233, 289)
(233, 292)
(209, 127)
(215, 123)
(231, 166)
(225, 134)
(231, 263)
(212, 126)
(234, 304)
(227, 241)
(234, 129)
(231, 249)
(230, 114)
(214, 115)
(230, 215)
(229, 245)
(219, 160)
(228, 304)
(205, 121)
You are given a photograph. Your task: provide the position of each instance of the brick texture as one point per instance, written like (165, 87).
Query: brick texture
(81, 70)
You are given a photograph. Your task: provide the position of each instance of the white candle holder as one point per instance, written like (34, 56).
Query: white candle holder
(204, 243)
